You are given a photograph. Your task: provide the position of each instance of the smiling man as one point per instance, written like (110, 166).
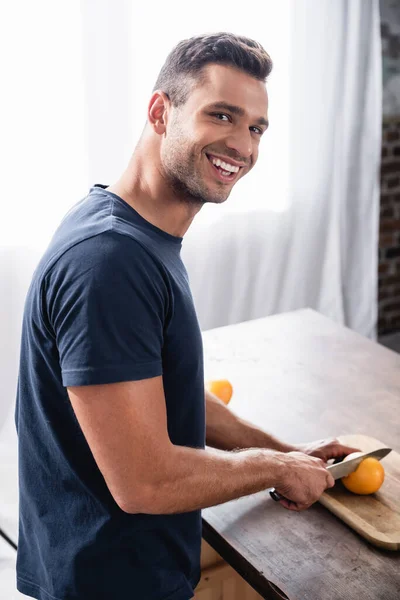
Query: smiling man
(112, 415)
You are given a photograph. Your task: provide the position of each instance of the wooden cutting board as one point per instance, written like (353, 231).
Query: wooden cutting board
(375, 517)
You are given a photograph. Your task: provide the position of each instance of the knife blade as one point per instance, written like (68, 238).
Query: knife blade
(344, 468)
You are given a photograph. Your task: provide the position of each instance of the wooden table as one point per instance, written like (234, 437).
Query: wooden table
(302, 377)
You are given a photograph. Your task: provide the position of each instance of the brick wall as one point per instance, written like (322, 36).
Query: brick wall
(389, 230)
(389, 236)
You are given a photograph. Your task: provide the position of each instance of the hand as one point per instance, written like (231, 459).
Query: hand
(302, 480)
(326, 449)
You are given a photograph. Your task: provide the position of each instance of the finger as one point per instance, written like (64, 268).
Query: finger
(350, 449)
(294, 507)
(342, 451)
(298, 507)
(289, 504)
(330, 480)
(338, 451)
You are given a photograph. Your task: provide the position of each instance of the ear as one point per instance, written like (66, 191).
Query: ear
(157, 113)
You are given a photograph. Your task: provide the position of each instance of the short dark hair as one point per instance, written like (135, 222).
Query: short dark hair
(185, 63)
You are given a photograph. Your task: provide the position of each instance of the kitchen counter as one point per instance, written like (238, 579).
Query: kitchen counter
(302, 377)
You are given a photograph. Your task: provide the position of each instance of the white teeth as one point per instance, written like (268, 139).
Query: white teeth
(225, 166)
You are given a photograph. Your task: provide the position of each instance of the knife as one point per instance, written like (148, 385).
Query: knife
(344, 468)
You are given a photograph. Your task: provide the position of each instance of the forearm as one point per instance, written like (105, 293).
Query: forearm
(227, 431)
(195, 478)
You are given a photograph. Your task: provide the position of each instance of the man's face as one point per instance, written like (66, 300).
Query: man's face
(212, 140)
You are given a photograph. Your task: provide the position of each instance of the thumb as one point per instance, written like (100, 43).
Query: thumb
(330, 480)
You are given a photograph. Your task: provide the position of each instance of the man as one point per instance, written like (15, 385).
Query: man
(111, 412)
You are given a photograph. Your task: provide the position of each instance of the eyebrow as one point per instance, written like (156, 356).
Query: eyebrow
(236, 110)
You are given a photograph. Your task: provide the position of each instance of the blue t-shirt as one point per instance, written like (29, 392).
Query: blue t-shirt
(109, 301)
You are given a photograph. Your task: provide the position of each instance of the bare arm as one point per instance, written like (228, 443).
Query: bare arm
(125, 425)
(227, 431)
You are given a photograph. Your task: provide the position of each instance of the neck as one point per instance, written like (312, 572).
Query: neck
(143, 186)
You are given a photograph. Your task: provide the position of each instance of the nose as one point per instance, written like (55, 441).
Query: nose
(240, 141)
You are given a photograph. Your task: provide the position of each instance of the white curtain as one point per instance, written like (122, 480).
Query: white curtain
(300, 230)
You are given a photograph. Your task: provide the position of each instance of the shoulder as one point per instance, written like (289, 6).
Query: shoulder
(109, 252)
(109, 275)
(104, 268)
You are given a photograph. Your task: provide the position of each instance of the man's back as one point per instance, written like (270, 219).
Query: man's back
(109, 302)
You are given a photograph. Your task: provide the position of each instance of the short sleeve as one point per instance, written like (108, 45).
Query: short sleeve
(106, 301)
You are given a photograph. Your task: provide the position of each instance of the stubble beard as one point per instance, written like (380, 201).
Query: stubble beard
(185, 179)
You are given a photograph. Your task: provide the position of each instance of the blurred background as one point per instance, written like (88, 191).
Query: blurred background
(316, 224)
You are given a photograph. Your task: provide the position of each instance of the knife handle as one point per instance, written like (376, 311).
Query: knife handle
(275, 495)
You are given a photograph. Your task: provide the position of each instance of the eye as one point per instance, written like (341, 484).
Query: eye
(257, 130)
(221, 116)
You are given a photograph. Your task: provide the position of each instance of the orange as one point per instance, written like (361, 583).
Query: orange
(222, 388)
(367, 478)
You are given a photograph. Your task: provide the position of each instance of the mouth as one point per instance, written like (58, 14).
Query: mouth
(222, 170)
